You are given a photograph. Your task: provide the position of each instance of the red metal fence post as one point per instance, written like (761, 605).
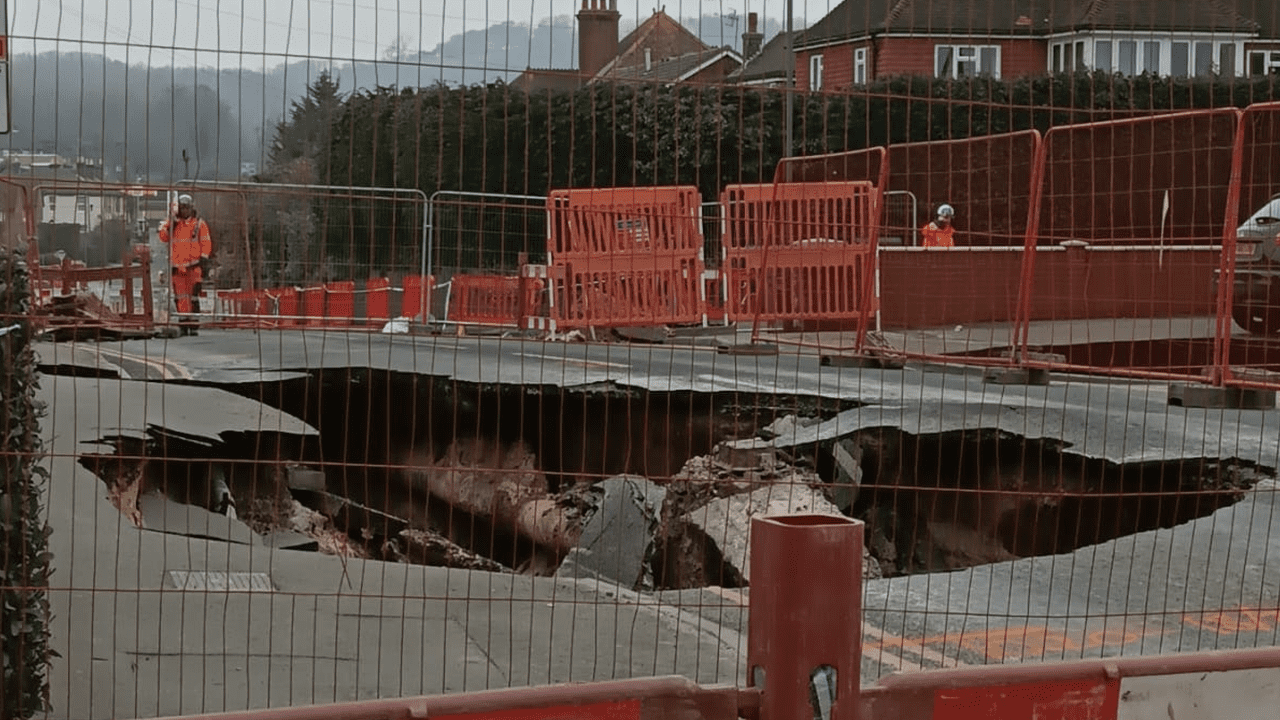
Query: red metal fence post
(804, 644)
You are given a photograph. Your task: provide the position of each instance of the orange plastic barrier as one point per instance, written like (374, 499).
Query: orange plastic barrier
(417, 296)
(816, 282)
(487, 300)
(625, 220)
(340, 302)
(377, 306)
(598, 295)
(625, 257)
(799, 251)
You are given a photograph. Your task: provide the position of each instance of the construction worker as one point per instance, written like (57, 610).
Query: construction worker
(189, 248)
(940, 233)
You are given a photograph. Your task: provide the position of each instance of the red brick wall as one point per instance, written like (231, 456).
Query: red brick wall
(914, 56)
(715, 73)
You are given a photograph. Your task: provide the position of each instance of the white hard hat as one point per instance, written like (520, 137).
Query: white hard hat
(946, 211)
(184, 199)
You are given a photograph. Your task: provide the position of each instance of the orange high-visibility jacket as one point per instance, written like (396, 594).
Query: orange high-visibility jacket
(935, 236)
(190, 241)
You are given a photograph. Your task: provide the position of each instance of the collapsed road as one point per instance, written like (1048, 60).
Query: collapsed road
(609, 468)
(489, 454)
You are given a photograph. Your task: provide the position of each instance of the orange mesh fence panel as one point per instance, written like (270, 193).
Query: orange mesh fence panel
(1253, 293)
(600, 294)
(486, 300)
(654, 220)
(1128, 237)
(798, 251)
(625, 257)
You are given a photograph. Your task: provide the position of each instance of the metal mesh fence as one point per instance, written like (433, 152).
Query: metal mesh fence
(515, 314)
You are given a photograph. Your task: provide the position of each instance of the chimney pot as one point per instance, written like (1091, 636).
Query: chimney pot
(751, 22)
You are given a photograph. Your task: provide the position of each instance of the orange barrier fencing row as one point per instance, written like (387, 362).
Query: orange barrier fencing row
(330, 305)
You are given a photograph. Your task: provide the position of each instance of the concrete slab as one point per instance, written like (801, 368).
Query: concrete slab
(161, 514)
(617, 541)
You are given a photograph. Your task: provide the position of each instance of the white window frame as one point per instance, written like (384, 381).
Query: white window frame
(967, 53)
(815, 72)
(1055, 53)
(860, 66)
(1270, 62)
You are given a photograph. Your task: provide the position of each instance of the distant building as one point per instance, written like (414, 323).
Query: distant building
(659, 51)
(862, 40)
(763, 65)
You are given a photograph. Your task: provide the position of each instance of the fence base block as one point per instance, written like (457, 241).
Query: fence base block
(748, 349)
(1016, 376)
(1195, 395)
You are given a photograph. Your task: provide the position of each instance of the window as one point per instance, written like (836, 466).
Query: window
(1179, 59)
(960, 61)
(1227, 59)
(1204, 59)
(1128, 57)
(1151, 57)
(860, 66)
(815, 72)
(1057, 58)
(1102, 55)
(1067, 58)
(1264, 63)
(1080, 56)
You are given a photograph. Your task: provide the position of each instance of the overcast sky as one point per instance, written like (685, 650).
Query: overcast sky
(228, 33)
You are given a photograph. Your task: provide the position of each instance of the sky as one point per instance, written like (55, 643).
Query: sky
(227, 33)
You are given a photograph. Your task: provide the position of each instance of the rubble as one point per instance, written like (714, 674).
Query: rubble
(726, 522)
(617, 539)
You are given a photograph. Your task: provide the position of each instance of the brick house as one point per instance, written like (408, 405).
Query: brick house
(660, 50)
(864, 40)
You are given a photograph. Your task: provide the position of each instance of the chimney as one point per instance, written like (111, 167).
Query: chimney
(597, 35)
(751, 39)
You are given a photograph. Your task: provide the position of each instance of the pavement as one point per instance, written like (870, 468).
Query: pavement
(140, 636)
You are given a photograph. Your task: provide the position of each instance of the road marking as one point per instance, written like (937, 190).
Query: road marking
(885, 640)
(219, 581)
(168, 369)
